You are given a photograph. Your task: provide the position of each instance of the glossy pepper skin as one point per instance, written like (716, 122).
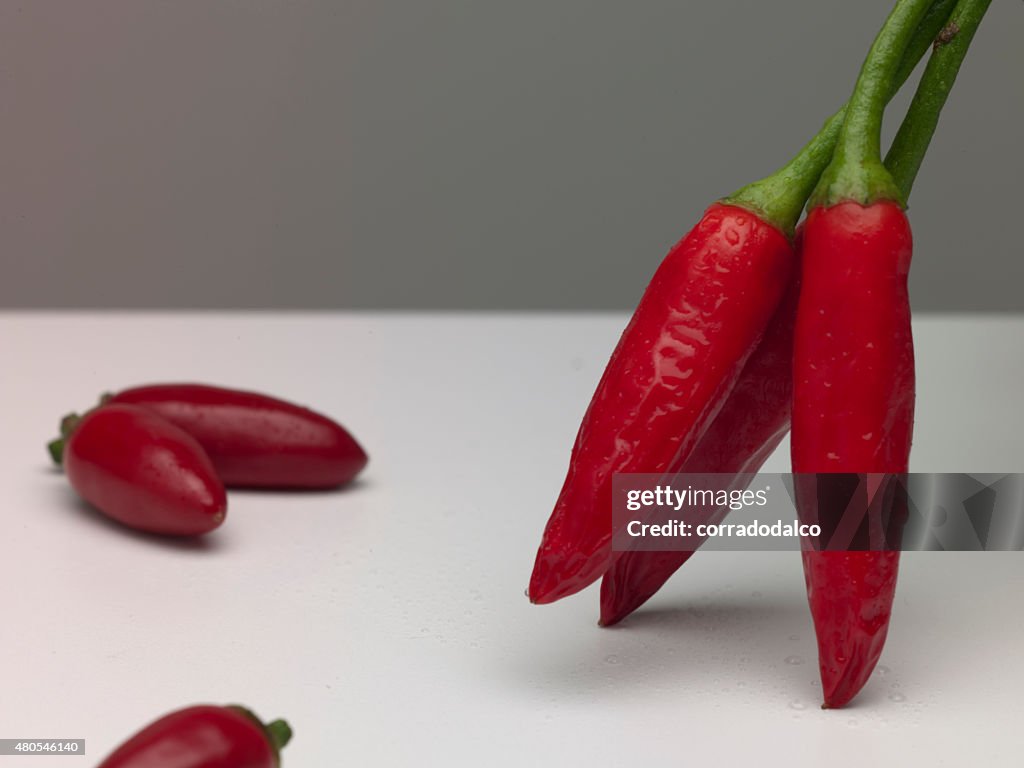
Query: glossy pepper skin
(747, 430)
(700, 318)
(254, 440)
(144, 472)
(204, 736)
(853, 413)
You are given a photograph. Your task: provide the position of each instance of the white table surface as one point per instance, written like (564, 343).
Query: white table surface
(388, 622)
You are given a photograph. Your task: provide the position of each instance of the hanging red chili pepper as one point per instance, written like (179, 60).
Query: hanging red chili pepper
(746, 431)
(853, 412)
(204, 736)
(698, 321)
(853, 355)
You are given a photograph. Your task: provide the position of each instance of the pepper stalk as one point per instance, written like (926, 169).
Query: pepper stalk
(915, 133)
(856, 172)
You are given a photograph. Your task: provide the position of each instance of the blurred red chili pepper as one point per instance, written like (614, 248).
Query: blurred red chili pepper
(204, 737)
(255, 440)
(143, 471)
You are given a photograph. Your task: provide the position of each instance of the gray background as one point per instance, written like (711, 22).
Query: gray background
(445, 154)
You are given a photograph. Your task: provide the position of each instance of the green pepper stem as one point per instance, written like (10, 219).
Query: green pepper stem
(915, 134)
(279, 733)
(856, 171)
(780, 198)
(56, 447)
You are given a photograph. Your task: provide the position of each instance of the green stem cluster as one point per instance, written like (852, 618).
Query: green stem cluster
(780, 198)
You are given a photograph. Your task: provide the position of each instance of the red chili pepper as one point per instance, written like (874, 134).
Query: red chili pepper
(255, 440)
(854, 408)
(697, 323)
(746, 431)
(853, 374)
(853, 350)
(204, 736)
(143, 471)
